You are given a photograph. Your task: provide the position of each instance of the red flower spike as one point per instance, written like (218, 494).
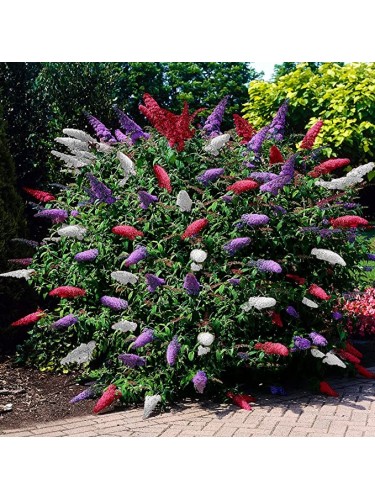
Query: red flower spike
(348, 356)
(42, 196)
(318, 292)
(272, 348)
(349, 221)
(296, 278)
(30, 318)
(327, 390)
(328, 166)
(107, 398)
(162, 178)
(67, 292)
(353, 350)
(309, 139)
(128, 232)
(244, 129)
(275, 155)
(241, 400)
(276, 319)
(242, 186)
(364, 372)
(194, 228)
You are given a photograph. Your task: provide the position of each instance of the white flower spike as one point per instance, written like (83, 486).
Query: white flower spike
(124, 277)
(125, 326)
(184, 202)
(78, 134)
(150, 404)
(328, 256)
(79, 355)
(198, 255)
(217, 143)
(309, 303)
(205, 339)
(19, 273)
(73, 231)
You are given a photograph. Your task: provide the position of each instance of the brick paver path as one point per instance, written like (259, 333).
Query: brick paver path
(298, 414)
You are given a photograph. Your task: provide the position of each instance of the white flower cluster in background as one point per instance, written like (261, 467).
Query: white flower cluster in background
(258, 303)
(198, 257)
(328, 255)
(19, 273)
(184, 202)
(355, 176)
(124, 277)
(125, 326)
(309, 303)
(329, 358)
(217, 143)
(79, 355)
(150, 404)
(127, 166)
(73, 231)
(205, 338)
(79, 134)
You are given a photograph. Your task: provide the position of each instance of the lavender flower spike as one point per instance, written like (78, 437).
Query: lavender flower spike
(172, 351)
(100, 129)
(210, 175)
(235, 245)
(255, 219)
(131, 128)
(318, 339)
(114, 303)
(64, 322)
(276, 130)
(213, 122)
(263, 176)
(146, 199)
(55, 214)
(144, 338)
(86, 394)
(99, 191)
(371, 256)
(138, 254)
(255, 143)
(200, 381)
(153, 282)
(122, 137)
(132, 360)
(267, 266)
(337, 315)
(292, 312)
(86, 255)
(191, 284)
(301, 344)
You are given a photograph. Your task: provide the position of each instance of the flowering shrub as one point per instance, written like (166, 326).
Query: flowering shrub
(361, 313)
(193, 256)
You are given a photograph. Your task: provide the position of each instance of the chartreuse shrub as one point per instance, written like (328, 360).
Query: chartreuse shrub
(342, 96)
(178, 256)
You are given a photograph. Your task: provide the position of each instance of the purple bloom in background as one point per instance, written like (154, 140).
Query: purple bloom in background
(325, 222)
(87, 255)
(255, 143)
(74, 213)
(86, 394)
(234, 281)
(276, 129)
(267, 266)
(172, 351)
(278, 390)
(153, 282)
(288, 168)
(368, 268)
(59, 186)
(301, 344)
(99, 191)
(200, 381)
(210, 175)
(227, 198)
(138, 254)
(318, 339)
(263, 176)
(132, 360)
(26, 261)
(352, 234)
(146, 199)
(292, 312)
(30, 243)
(131, 128)
(55, 214)
(243, 355)
(371, 256)
(248, 164)
(336, 315)
(213, 122)
(276, 185)
(114, 303)
(235, 245)
(122, 137)
(144, 338)
(350, 205)
(100, 129)
(255, 219)
(64, 322)
(279, 208)
(191, 284)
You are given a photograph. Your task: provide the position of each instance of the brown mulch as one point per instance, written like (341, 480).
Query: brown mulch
(37, 397)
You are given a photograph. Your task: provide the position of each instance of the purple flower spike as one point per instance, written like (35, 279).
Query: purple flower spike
(74, 213)
(371, 256)
(278, 390)
(200, 381)
(153, 282)
(255, 219)
(144, 338)
(99, 191)
(114, 303)
(55, 214)
(191, 284)
(235, 245)
(86, 394)
(30, 243)
(210, 175)
(64, 322)
(292, 312)
(138, 254)
(133, 130)
(275, 185)
(87, 255)
(146, 199)
(318, 339)
(337, 315)
(267, 266)
(26, 261)
(279, 209)
(301, 344)
(100, 129)
(213, 122)
(255, 143)
(122, 137)
(234, 281)
(276, 130)
(227, 198)
(263, 177)
(132, 360)
(172, 351)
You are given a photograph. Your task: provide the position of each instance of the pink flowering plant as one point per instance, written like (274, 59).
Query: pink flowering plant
(164, 323)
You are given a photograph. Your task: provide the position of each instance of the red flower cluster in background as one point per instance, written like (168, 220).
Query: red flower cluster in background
(243, 128)
(242, 186)
(42, 196)
(309, 139)
(128, 232)
(318, 292)
(349, 221)
(326, 389)
(162, 178)
(241, 400)
(328, 166)
(29, 319)
(67, 292)
(275, 155)
(361, 312)
(272, 348)
(107, 398)
(194, 228)
(296, 278)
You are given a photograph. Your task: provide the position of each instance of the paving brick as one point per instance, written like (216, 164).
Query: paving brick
(173, 432)
(226, 431)
(281, 430)
(353, 433)
(269, 422)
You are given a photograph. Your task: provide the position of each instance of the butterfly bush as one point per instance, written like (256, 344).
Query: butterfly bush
(190, 255)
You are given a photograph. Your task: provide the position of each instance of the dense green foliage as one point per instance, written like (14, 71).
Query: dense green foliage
(170, 311)
(342, 96)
